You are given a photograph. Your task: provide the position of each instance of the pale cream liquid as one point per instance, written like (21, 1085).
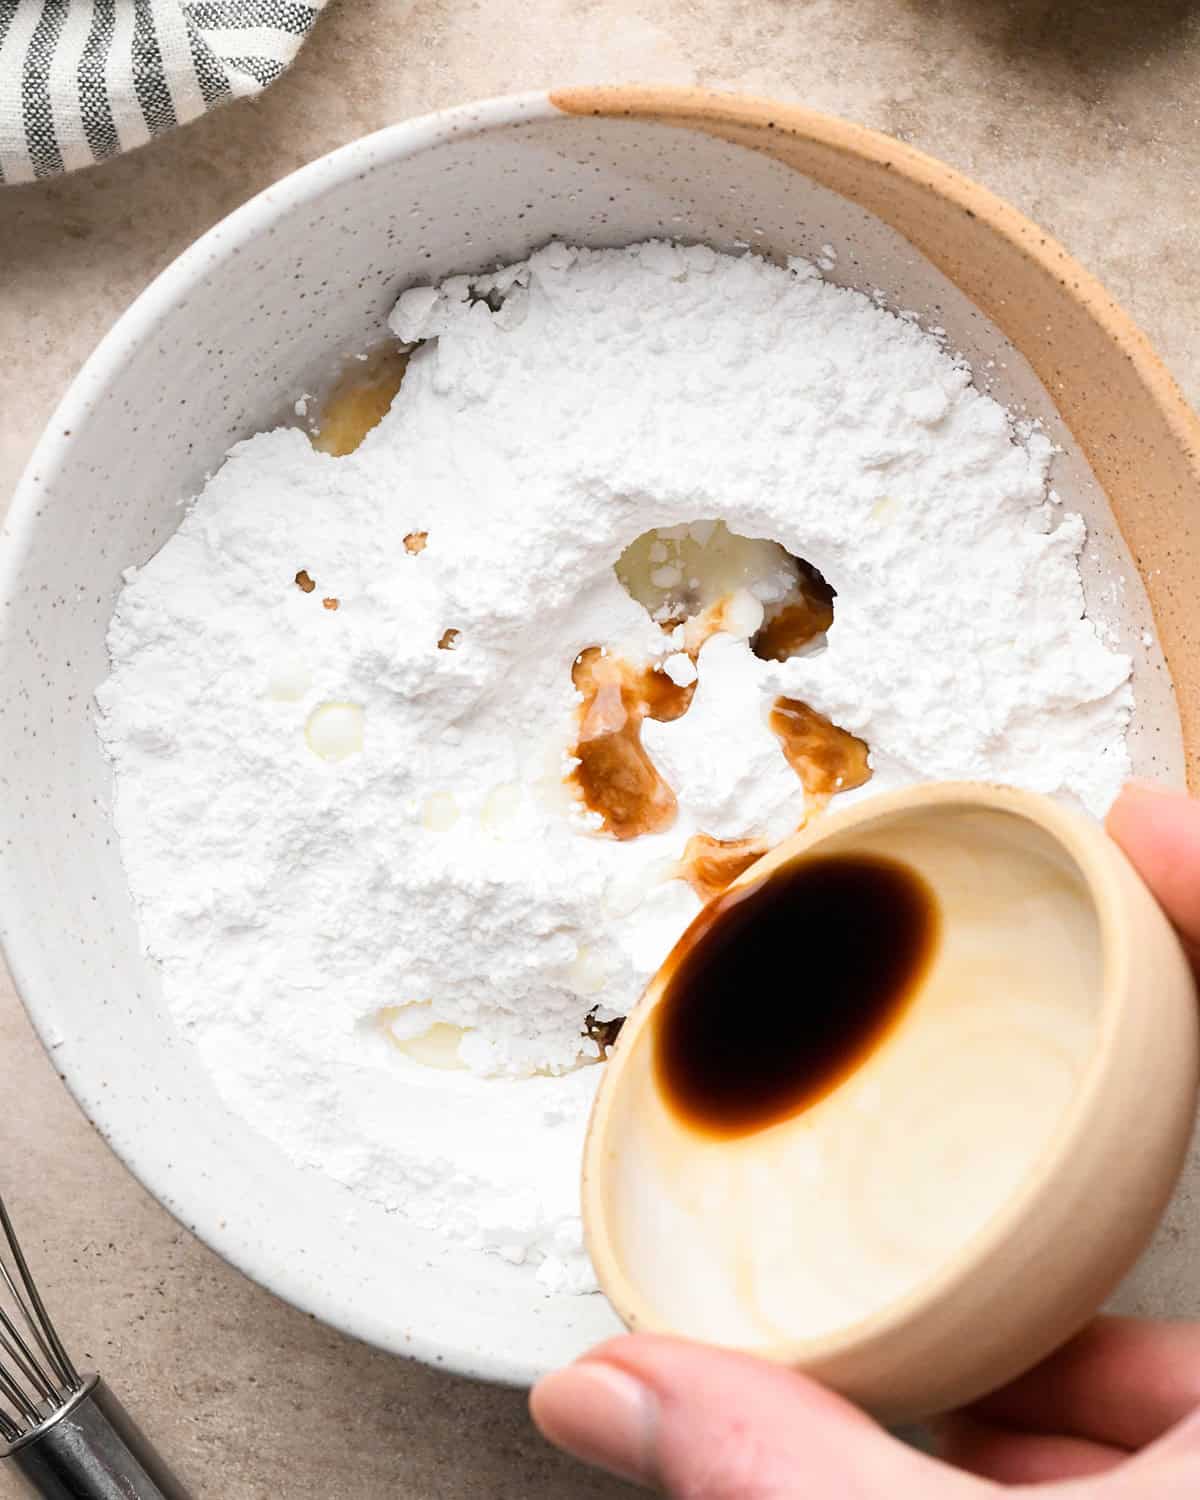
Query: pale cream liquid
(815, 1223)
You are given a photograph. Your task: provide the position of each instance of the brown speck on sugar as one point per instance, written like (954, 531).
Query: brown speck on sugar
(603, 1033)
(449, 640)
(416, 541)
(304, 582)
(330, 603)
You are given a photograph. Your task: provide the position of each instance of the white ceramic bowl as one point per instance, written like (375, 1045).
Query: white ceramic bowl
(263, 307)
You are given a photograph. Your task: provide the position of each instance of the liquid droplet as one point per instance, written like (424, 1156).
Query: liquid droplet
(335, 730)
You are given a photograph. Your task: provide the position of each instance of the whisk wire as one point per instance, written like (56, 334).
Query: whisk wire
(64, 1433)
(37, 1375)
(19, 1399)
(22, 1357)
(42, 1326)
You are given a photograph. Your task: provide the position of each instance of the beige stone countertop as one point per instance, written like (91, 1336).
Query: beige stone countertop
(1084, 113)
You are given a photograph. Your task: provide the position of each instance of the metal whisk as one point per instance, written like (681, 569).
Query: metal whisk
(63, 1431)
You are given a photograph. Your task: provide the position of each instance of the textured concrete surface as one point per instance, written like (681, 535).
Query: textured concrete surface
(1085, 113)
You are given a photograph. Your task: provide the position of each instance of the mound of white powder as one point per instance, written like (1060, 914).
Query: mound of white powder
(308, 910)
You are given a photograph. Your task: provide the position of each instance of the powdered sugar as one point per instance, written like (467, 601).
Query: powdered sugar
(339, 834)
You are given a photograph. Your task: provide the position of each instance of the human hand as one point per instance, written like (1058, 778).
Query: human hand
(1112, 1416)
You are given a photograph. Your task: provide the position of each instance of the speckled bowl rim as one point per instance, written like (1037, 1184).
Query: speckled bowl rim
(685, 108)
(707, 110)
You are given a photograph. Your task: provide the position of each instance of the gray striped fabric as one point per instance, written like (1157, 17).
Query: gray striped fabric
(83, 80)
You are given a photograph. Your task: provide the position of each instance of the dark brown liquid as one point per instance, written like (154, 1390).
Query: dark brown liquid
(710, 865)
(781, 989)
(615, 776)
(827, 759)
(809, 616)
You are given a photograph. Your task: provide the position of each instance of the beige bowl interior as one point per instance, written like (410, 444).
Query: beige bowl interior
(265, 307)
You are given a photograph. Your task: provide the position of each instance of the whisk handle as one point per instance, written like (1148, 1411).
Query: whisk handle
(92, 1450)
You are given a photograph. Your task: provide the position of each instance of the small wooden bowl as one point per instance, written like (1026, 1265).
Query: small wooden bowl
(1043, 1263)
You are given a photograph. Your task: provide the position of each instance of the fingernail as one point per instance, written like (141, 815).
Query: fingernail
(600, 1414)
(1144, 784)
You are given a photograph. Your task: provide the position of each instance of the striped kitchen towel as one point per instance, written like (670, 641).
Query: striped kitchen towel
(83, 80)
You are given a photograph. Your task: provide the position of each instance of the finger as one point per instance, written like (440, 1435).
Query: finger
(1179, 1445)
(1121, 1382)
(1008, 1457)
(1159, 829)
(1167, 1470)
(710, 1424)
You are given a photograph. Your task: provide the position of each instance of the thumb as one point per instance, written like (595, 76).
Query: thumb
(1159, 829)
(709, 1424)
